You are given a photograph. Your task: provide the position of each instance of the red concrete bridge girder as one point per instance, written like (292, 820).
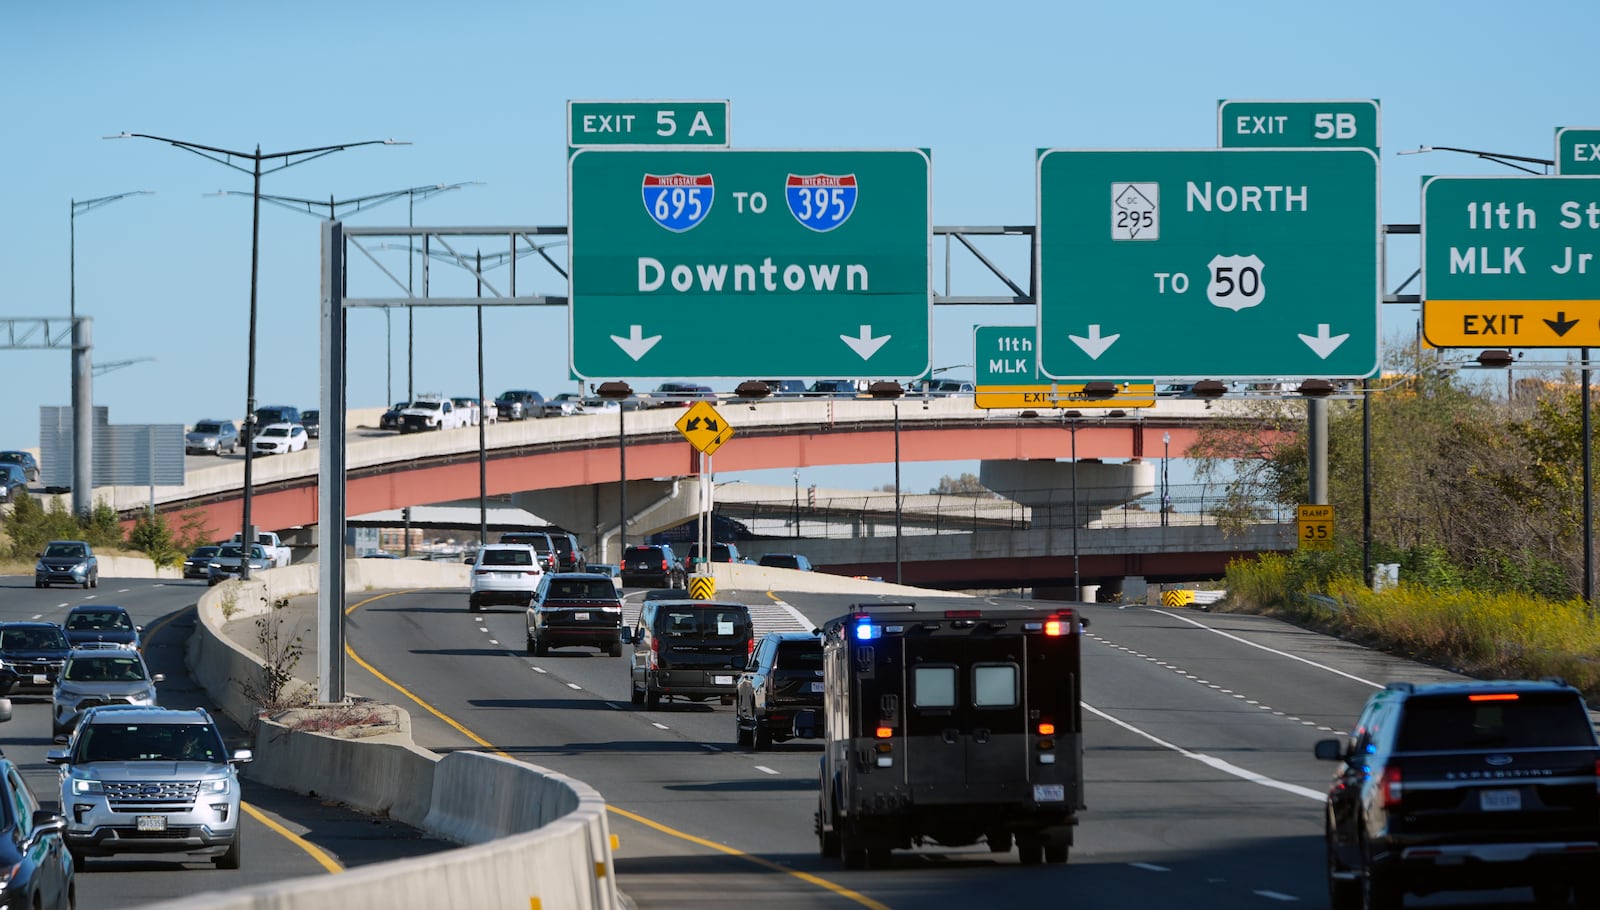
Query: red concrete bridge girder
(403, 484)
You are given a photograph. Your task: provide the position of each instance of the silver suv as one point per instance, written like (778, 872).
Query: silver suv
(150, 780)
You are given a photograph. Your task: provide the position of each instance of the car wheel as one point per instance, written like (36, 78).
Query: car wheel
(636, 696)
(855, 857)
(541, 647)
(1030, 854)
(39, 584)
(615, 650)
(742, 736)
(79, 861)
(231, 859)
(86, 583)
(763, 736)
(1380, 888)
(652, 699)
(1343, 893)
(530, 643)
(1551, 894)
(827, 841)
(1055, 853)
(999, 843)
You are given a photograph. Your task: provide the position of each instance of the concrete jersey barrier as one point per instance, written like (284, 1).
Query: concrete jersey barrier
(537, 838)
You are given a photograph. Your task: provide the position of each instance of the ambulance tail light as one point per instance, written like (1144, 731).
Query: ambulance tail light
(884, 747)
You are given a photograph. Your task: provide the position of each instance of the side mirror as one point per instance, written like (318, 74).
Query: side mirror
(5, 709)
(627, 636)
(1330, 750)
(1083, 621)
(242, 757)
(158, 677)
(56, 756)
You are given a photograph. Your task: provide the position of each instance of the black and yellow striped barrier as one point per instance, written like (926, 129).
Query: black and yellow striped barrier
(1177, 597)
(702, 587)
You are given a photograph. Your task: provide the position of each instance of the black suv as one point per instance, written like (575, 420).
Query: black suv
(575, 608)
(543, 543)
(780, 693)
(31, 655)
(688, 649)
(652, 565)
(1469, 785)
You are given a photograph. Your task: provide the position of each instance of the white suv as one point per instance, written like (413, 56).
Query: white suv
(150, 780)
(504, 573)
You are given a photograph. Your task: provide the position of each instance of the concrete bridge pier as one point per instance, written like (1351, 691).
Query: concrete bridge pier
(592, 512)
(1047, 488)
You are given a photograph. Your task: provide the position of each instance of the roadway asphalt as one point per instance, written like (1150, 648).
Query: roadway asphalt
(166, 610)
(1202, 789)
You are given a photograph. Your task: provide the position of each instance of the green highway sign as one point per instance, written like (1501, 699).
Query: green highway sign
(1298, 124)
(1008, 376)
(1511, 262)
(1577, 150)
(740, 263)
(1208, 263)
(647, 123)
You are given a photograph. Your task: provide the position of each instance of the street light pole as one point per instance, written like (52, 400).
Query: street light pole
(225, 157)
(1166, 497)
(898, 498)
(356, 204)
(1077, 580)
(82, 394)
(620, 392)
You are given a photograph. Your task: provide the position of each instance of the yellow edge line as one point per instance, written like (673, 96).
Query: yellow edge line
(315, 852)
(312, 850)
(806, 877)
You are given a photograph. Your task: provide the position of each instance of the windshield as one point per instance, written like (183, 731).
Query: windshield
(235, 551)
(425, 405)
(704, 622)
(32, 640)
(207, 428)
(800, 655)
(583, 589)
(517, 557)
(67, 550)
(149, 742)
(104, 669)
(100, 619)
(275, 431)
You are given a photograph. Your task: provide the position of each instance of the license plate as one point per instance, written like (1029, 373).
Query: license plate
(722, 680)
(816, 687)
(580, 617)
(1049, 793)
(1500, 800)
(151, 823)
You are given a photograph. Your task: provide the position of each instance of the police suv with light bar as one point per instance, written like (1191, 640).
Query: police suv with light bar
(950, 727)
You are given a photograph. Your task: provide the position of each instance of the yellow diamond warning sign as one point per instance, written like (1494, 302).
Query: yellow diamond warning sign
(704, 427)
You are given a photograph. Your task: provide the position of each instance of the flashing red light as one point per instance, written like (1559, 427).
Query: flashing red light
(1392, 788)
(1055, 627)
(885, 732)
(1498, 696)
(1047, 729)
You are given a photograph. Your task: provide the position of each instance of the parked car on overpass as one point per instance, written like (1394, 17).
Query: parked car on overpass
(29, 464)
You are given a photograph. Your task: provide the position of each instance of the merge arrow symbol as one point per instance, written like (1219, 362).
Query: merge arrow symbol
(1094, 345)
(636, 345)
(1561, 325)
(866, 345)
(711, 425)
(1322, 344)
(691, 424)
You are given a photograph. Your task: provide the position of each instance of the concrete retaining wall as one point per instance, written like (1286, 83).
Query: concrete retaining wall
(539, 838)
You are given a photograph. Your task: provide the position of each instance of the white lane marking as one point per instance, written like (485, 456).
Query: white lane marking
(38, 616)
(1276, 896)
(537, 669)
(575, 686)
(765, 770)
(659, 726)
(483, 630)
(1212, 761)
(1150, 867)
(123, 590)
(493, 641)
(1252, 644)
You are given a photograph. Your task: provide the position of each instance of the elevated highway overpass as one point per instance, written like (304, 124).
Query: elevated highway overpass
(567, 470)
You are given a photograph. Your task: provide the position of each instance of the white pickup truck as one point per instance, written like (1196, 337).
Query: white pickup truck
(276, 551)
(433, 414)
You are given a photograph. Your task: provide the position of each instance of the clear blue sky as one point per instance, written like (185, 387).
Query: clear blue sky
(480, 89)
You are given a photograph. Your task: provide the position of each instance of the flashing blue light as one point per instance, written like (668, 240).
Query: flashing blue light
(866, 631)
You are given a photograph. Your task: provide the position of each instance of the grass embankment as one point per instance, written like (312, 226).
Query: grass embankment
(1491, 636)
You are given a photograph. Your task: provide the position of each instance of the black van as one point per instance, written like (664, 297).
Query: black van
(688, 649)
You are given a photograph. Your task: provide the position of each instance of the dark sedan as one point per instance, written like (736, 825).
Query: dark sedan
(312, 421)
(194, 565)
(31, 655)
(35, 866)
(391, 418)
(520, 404)
(101, 626)
(780, 693)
